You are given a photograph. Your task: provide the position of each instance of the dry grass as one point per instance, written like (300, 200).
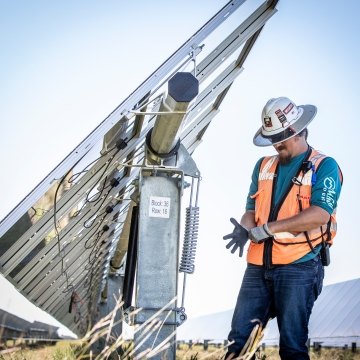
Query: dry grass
(63, 350)
(101, 332)
(335, 354)
(197, 352)
(69, 350)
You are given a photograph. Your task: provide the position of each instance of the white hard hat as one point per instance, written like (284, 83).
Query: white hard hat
(281, 120)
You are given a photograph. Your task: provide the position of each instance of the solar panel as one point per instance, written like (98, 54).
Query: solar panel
(57, 244)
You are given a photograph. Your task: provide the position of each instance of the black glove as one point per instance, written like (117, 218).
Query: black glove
(260, 233)
(239, 237)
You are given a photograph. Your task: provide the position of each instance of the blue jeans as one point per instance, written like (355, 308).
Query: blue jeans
(287, 292)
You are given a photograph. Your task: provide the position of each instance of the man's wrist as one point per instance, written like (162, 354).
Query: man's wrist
(267, 230)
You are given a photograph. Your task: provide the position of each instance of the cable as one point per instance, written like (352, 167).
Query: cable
(120, 145)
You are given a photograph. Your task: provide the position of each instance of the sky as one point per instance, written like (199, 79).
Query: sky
(64, 66)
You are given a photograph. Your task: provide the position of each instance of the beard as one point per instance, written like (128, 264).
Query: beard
(285, 159)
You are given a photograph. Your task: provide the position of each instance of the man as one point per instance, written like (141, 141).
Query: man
(290, 220)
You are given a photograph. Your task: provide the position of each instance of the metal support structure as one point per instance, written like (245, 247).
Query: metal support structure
(159, 223)
(118, 261)
(163, 139)
(158, 249)
(131, 259)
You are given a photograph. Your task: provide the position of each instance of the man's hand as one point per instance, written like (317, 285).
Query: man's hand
(239, 237)
(260, 233)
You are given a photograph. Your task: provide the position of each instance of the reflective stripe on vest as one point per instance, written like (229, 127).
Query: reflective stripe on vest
(287, 247)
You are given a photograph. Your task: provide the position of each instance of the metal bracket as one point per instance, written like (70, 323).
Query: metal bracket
(186, 163)
(180, 315)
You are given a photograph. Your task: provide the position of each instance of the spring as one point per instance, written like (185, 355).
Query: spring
(187, 263)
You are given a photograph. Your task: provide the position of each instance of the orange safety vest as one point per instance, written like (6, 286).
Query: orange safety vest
(288, 247)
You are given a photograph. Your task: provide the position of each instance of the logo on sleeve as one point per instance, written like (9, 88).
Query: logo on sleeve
(329, 195)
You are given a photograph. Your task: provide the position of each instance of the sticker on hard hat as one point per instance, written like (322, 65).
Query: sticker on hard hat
(267, 121)
(288, 108)
(285, 124)
(280, 115)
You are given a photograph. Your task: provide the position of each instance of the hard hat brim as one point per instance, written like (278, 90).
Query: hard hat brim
(309, 112)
